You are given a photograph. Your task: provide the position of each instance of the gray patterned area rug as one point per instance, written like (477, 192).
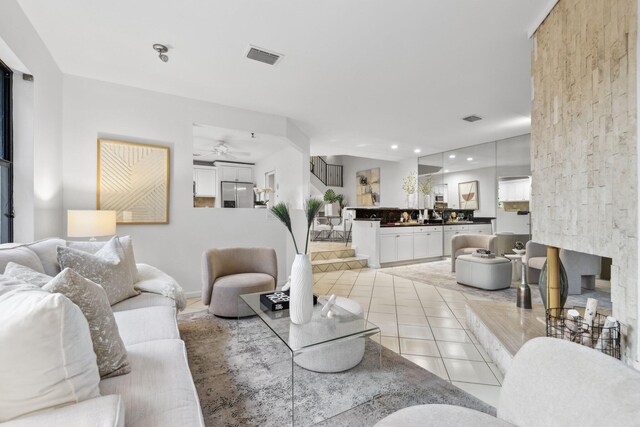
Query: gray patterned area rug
(438, 273)
(245, 380)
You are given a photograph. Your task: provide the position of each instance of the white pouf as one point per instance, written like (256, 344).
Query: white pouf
(336, 357)
(484, 273)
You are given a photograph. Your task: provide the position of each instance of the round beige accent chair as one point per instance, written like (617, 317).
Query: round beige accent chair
(229, 273)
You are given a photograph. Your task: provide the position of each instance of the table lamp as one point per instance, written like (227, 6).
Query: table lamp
(91, 223)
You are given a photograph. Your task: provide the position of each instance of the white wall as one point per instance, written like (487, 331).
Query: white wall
(95, 109)
(287, 163)
(392, 175)
(38, 123)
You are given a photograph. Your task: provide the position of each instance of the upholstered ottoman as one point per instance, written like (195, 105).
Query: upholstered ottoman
(336, 357)
(484, 273)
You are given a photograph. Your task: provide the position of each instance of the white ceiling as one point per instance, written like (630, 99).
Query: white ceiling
(242, 145)
(357, 75)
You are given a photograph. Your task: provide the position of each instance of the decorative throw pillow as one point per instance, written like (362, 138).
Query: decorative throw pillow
(26, 274)
(93, 247)
(92, 300)
(107, 268)
(46, 356)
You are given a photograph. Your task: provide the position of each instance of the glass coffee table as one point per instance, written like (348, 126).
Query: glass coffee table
(319, 349)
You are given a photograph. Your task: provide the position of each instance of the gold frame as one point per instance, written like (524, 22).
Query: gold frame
(476, 195)
(167, 177)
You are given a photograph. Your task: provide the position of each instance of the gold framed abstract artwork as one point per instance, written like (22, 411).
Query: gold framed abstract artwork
(368, 187)
(133, 180)
(468, 195)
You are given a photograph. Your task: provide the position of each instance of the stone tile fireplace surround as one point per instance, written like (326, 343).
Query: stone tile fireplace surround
(584, 143)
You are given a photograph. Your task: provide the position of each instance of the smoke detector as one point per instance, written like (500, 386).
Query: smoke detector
(472, 118)
(263, 55)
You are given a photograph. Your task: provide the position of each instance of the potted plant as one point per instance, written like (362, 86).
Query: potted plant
(301, 289)
(331, 206)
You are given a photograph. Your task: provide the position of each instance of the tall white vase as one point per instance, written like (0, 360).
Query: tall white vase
(301, 292)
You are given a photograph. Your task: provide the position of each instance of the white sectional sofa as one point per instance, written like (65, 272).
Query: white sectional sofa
(159, 390)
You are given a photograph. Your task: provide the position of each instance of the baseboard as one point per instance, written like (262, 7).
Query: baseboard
(192, 294)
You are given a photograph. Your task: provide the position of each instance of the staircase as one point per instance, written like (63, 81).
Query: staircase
(330, 175)
(336, 260)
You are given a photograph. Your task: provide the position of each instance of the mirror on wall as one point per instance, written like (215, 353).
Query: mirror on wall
(431, 190)
(492, 179)
(470, 177)
(514, 186)
(235, 169)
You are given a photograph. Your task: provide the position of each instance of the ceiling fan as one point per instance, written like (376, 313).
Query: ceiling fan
(222, 150)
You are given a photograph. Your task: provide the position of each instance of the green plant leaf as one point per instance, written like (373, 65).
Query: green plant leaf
(281, 211)
(311, 207)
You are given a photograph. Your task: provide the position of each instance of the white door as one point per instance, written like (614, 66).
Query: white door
(245, 174)
(434, 244)
(228, 173)
(388, 248)
(405, 247)
(206, 184)
(420, 245)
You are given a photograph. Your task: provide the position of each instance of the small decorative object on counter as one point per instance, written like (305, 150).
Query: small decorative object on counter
(409, 187)
(593, 330)
(326, 310)
(301, 304)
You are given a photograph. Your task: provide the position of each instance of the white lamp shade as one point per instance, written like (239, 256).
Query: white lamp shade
(91, 223)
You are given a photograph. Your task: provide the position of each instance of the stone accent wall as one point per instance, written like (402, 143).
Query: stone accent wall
(584, 142)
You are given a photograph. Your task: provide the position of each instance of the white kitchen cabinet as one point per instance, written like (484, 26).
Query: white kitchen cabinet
(245, 174)
(236, 173)
(448, 234)
(434, 242)
(517, 190)
(206, 181)
(479, 229)
(388, 248)
(420, 245)
(405, 247)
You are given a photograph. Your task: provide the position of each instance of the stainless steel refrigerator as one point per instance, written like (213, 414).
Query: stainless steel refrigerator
(237, 194)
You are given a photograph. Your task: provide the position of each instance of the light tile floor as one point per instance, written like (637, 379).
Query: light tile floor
(421, 322)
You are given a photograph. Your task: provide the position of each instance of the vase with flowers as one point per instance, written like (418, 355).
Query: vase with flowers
(301, 287)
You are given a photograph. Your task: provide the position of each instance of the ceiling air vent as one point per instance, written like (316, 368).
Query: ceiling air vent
(262, 55)
(472, 118)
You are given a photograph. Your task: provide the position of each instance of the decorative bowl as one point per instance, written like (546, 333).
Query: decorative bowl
(519, 251)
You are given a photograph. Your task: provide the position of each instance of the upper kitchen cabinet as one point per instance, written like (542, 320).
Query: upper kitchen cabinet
(205, 181)
(514, 189)
(236, 173)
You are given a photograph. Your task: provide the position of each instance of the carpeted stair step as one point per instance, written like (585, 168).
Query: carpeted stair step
(337, 264)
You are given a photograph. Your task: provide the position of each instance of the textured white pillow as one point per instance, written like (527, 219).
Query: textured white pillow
(93, 247)
(46, 355)
(93, 301)
(107, 267)
(26, 274)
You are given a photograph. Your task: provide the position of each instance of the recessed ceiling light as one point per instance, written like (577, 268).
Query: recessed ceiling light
(394, 147)
(446, 170)
(417, 150)
(361, 145)
(452, 156)
(469, 159)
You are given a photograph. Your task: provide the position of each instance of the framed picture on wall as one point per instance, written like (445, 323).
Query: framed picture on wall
(133, 180)
(468, 195)
(368, 187)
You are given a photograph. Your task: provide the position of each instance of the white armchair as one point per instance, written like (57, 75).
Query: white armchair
(464, 244)
(581, 268)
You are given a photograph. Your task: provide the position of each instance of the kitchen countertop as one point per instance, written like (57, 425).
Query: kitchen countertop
(440, 224)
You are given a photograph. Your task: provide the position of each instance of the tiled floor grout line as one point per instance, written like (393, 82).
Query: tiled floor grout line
(431, 329)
